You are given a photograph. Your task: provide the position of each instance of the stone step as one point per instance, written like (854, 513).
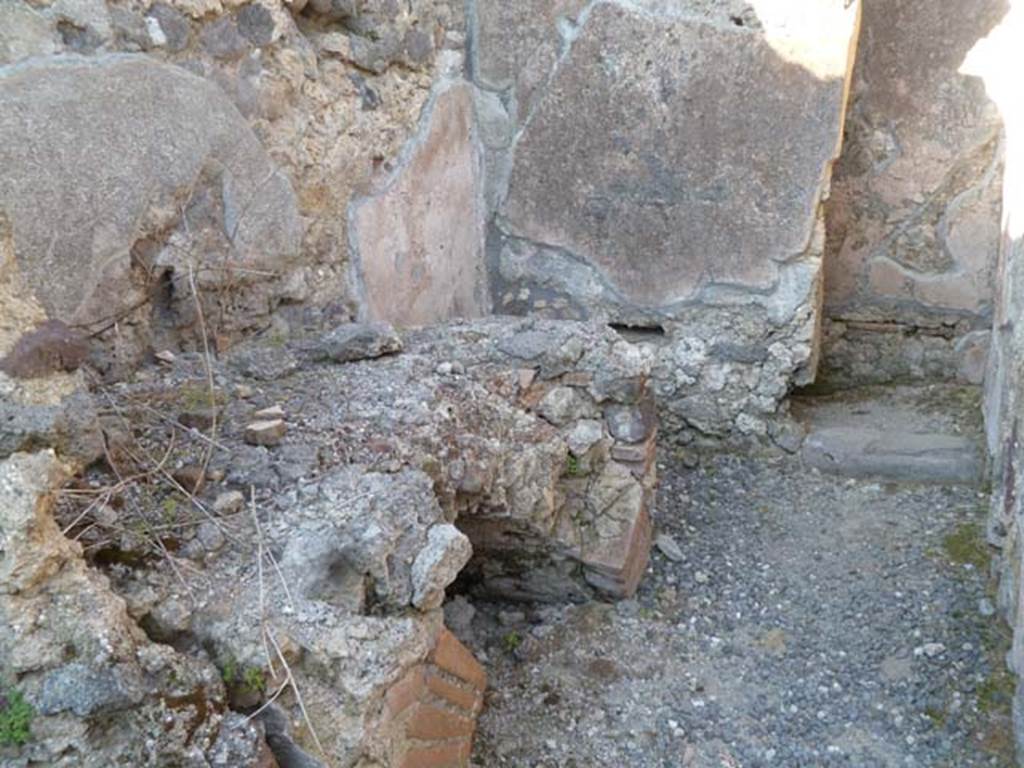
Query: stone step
(915, 434)
(926, 457)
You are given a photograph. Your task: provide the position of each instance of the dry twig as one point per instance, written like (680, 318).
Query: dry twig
(267, 634)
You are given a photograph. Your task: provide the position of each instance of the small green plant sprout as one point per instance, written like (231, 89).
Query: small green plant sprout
(512, 641)
(170, 509)
(936, 715)
(966, 545)
(254, 680)
(244, 678)
(572, 465)
(15, 718)
(229, 671)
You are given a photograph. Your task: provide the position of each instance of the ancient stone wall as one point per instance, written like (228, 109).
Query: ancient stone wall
(913, 219)
(998, 60)
(661, 166)
(181, 174)
(132, 184)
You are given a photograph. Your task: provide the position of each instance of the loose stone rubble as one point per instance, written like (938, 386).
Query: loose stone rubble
(311, 571)
(793, 632)
(539, 436)
(103, 694)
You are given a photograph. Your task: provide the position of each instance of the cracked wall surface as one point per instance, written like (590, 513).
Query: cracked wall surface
(913, 220)
(662, 167)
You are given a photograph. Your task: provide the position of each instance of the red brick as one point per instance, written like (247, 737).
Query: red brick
(405, 692)
(431, 723)
(465, 698)
(454, 755)
(639, 551)
(639, 457)
(452, 656)
(619, 572)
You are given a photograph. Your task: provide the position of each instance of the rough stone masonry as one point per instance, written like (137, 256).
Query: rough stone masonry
(153, 150)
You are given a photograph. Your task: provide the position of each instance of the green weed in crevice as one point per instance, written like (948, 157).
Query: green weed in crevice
(15, 719)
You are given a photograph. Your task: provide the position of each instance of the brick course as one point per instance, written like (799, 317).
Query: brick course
(431, 710)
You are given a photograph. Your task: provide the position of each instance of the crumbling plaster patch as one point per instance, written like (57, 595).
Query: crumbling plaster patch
(417, 240)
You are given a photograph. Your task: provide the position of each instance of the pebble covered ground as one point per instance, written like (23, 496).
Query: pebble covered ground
(798, 620)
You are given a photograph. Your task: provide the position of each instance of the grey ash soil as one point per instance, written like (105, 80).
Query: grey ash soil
(813, 621)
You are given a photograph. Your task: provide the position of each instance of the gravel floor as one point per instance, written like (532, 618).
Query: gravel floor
(807, 620)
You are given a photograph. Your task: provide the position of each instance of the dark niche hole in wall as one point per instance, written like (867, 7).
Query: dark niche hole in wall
(81, 39)
(163, 295)
(637, 333)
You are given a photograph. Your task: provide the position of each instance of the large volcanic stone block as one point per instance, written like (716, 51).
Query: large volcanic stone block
(675, 153)
(518, 43)
(120, 175)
